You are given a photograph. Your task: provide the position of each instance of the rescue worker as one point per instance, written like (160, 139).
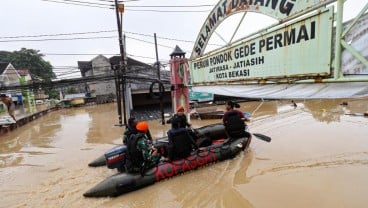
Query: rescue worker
(181, 142)
(130, 129)
(141, 154)
(233, 121)
(180, 117)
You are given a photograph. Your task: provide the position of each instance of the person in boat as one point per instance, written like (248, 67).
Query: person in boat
(131, 129)
(181, 142)
(141, 154)
(180, 118)
(234, 122)
(9, 104)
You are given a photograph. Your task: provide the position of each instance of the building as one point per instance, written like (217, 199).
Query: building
(140, 76)
(8, 75)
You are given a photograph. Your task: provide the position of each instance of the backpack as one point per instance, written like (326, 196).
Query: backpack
(234, 125)
(180, 144)
(179, 121)
(128, 133)
(134, 157)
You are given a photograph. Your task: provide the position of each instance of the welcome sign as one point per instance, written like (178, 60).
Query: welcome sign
(299, 48)
(278, 9)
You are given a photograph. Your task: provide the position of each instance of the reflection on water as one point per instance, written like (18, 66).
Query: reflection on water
(28, 140)
(333, 109)
(312, 158)
(103, 126)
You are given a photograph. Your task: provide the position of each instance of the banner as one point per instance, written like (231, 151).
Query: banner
(297, 49)
(278, 9)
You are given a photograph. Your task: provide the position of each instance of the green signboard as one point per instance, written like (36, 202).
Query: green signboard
(300, 48)
(200, 96)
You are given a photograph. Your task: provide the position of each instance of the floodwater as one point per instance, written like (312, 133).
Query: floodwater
(318, 157)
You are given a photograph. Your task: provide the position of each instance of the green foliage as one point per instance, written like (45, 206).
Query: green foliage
(71, 90)
(53, 94)
(30, 59)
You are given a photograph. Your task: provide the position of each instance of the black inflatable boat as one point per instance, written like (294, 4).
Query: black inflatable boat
(220, 149)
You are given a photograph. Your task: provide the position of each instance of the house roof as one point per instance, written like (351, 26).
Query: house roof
(132, 64)
(115, 60)
(84, 66)
(3, 66)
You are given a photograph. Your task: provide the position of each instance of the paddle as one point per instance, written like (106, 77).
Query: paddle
(258, 135)
(262, 137)
(357, 114)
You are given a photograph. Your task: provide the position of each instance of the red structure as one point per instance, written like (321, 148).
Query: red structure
(179, 78)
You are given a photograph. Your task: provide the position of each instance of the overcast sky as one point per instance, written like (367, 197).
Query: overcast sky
(47, 19)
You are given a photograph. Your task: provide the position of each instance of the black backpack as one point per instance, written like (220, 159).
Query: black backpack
(180, 144)
(234, 125)
(134, 157)
(128, 134)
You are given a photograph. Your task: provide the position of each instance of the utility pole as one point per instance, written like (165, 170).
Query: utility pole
(119, 8)
(118, 95)
(159, 78)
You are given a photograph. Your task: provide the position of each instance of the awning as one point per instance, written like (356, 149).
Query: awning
(290, 91)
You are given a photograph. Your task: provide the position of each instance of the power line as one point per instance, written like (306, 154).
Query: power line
(54, 39)
(164, 38)
(165, 6)
(96, 54)
(92, 32)
(80, 54)
(176, 6)
(119, 1)
(98, 5)
(59, 34)
(148, 42)
(166, 11)
(86, 5)
(79, 81)
(87, 2)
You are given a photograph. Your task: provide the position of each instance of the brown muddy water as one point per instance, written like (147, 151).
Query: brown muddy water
(318, 157)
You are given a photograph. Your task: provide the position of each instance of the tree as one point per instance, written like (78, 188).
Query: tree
(30, 59)
(52, 93)
(71, 90)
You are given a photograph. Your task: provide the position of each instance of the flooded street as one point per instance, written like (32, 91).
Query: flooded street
(318, 157)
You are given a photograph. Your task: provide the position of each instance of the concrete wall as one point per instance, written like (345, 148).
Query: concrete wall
(101, 66)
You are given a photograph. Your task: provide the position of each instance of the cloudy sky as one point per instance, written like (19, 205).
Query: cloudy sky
(67, 31)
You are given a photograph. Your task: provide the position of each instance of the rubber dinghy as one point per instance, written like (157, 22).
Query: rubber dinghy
(214, 131)
(219, 150)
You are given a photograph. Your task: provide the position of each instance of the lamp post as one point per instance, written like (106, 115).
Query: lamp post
(119, 8)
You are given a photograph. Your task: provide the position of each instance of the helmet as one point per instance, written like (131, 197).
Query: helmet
(142, 126)
(179, 108)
